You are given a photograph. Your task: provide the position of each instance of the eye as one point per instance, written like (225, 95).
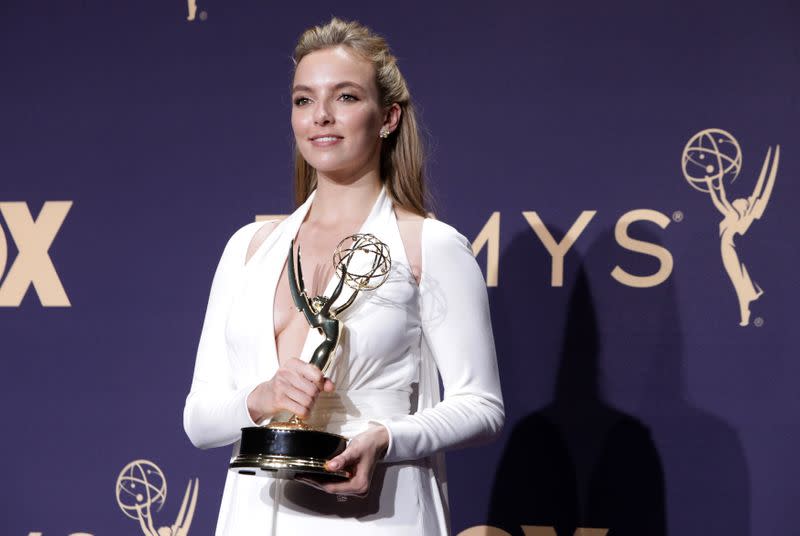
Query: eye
(348, 98)
(300, 101)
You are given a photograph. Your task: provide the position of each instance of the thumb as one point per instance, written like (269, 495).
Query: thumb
(342, 460)
(328, 387)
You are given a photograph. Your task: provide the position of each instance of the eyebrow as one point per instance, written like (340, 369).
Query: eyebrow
(340, 85)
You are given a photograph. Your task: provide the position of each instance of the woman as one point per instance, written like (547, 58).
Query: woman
(358, 169)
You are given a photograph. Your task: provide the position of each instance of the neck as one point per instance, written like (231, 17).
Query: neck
(337, 202)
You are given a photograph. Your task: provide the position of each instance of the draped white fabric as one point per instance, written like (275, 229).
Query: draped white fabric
(394, 340)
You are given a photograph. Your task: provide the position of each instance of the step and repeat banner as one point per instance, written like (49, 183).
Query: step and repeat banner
(627, 173)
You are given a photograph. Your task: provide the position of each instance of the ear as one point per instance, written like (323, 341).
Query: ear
(391, 117)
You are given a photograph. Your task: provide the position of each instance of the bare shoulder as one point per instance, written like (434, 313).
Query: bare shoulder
(410, 226)
(258, 238)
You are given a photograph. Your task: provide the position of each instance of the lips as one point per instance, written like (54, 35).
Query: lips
(325, 141)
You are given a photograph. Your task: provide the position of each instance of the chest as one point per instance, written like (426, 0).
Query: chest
(265, 328)
(315, 270)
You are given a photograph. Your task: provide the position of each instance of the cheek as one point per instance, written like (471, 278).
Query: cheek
(363, 124)
(295, 124)
(300, 122)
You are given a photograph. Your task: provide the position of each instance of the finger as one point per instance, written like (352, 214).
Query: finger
(349, 487)
(306, 369)
(358, 484)
(302, 383)
(292, 379)
(329, 386)
(294, 408)
(345, 459)
(284, 402)
(312, 483)
(300, 367)
(312, 374)
(301, 373)
(301, 400)
(300, 396)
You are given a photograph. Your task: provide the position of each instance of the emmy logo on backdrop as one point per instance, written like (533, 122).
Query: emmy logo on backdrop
(712, 157)
(141, 487)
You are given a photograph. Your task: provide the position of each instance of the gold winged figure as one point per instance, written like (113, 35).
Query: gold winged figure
(737, 218)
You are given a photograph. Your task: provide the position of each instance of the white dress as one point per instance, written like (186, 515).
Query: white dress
(394, 340)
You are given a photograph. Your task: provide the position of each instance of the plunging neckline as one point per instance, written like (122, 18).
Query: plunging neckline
(287, 236)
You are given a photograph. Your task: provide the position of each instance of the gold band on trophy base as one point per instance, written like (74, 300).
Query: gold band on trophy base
(288, 467)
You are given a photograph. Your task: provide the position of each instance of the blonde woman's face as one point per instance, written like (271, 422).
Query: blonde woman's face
(336, 116)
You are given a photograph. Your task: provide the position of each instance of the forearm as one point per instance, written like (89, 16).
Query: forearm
(213, 417)
(458, 421)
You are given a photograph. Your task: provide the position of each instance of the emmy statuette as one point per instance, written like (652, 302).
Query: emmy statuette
(291, 448)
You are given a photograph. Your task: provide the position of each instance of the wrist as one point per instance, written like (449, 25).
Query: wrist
(255, 415)
(380, 436)
(253, 406)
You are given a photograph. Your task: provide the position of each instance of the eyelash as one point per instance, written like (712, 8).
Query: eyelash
(351, 98)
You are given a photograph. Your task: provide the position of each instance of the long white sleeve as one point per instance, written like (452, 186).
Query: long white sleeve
(457, 330)
(216, 409)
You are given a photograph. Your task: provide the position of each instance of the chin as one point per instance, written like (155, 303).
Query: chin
(334, 167)
(323, 162)
(327, 167)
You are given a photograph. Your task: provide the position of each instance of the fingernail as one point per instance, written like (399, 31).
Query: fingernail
(333, 465)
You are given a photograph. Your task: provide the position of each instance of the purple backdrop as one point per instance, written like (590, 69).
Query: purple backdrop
(646, 411)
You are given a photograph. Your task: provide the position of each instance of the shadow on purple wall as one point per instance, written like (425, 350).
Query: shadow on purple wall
(616, 444)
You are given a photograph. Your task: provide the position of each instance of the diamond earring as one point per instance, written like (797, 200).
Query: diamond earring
(384, 133)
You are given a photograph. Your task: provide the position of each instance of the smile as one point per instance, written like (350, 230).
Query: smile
(325, 141)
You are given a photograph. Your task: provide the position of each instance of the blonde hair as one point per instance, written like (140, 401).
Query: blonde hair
(402, 153)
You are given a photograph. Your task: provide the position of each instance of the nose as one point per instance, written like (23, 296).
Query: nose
(322, 113)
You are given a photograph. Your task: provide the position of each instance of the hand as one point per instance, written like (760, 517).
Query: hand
(360, 456)
(294, 388)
